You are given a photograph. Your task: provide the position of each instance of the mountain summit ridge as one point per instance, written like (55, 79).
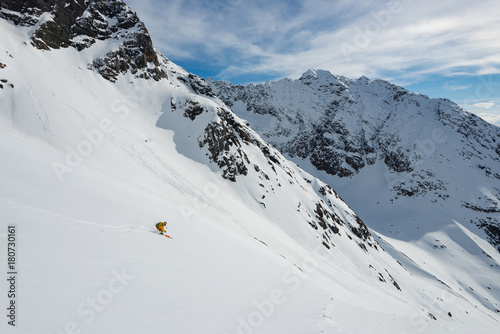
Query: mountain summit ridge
(342, 126)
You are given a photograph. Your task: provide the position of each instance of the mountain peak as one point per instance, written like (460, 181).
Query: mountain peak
(309, 73)
(81, 24)
(364, 80)
(316, 73)
(347, 129)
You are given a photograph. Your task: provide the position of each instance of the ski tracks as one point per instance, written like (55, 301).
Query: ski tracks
(327, 324)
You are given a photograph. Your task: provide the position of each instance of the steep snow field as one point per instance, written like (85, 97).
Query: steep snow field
(88, 261)
(89, 166)
(411, 167)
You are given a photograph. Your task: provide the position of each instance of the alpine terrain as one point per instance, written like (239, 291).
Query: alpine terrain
(102, 136)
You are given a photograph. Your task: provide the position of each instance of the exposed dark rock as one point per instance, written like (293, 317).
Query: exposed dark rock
(219, 138)
(80, 23)
(25, 13)
(419, 184)
(491, 227)
(493, 209)
(397, 162)
(381, 278)
(393, 281)
(341, 126)
(198, 85)
(363, 246)
(329, 143)
(326, 219)
(194, 109)
(361, 231)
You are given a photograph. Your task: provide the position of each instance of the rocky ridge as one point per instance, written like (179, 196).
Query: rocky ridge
(80, 24)
(343, 126)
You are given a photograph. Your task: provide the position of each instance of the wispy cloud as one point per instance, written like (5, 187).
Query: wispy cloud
(492, 117)
(403, 41)
(489, 109)
(484, 105)
(454, 87)
(288, 37)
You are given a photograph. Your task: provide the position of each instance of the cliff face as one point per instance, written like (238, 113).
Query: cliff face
(81, 24)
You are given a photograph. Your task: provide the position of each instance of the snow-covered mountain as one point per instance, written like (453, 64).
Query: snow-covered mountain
(352, 133)
(102, 136)
(415, 169)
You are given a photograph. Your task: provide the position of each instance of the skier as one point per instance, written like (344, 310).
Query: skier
(161, 227)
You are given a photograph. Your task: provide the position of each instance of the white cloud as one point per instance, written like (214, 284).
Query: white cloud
(452, 87)
(484, 105)
(411, 39)
(493, 118)
(489, 110)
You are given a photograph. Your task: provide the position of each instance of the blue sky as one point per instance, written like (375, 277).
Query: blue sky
(447, 48)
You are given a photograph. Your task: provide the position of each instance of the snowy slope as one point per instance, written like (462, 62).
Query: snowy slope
(93, 156)
(422, 172)
(349, 131)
